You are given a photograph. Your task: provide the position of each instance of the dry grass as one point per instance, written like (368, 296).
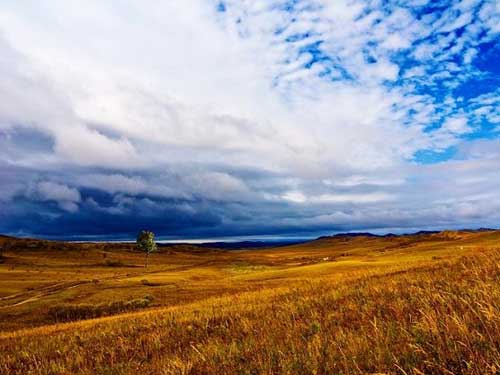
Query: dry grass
(411, 305)
(67, 313)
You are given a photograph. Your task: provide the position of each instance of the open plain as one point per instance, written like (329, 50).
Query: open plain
(427, 303)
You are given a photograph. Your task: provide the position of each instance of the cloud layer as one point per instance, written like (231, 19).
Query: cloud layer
(219, 118)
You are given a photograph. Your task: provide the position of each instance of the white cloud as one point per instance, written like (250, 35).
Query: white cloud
(299, 197)
(294, 196)
(456, 125)
(163, 91)
(57, 192)
(216, 186)
(66, 197)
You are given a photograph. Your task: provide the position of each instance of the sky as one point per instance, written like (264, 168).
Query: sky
(206, 118)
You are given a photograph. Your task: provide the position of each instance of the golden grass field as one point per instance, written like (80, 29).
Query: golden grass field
(418, 304)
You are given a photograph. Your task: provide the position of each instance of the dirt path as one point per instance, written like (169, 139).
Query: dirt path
(36, 294)
(43, 292)
(41, 289)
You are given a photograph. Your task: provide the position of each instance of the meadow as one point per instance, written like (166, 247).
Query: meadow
(417, 304)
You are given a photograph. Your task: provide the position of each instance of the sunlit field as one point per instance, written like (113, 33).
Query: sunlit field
(419, 304)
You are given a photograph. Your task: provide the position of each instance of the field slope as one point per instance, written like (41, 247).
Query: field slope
(419, 304)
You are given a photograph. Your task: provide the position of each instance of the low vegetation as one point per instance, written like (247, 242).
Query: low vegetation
(427, 304)
(113, 263)
(66, 313)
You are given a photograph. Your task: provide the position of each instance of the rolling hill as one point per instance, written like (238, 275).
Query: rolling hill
(427, 303)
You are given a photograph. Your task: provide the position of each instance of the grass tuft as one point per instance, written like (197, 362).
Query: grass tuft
(68, 313)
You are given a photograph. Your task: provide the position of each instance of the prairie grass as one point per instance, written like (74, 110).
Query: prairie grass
(68, 312)
(440, 319)
(412, 305)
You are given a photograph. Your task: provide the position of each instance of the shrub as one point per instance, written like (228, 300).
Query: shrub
(68, 312)
(113, 263)
(149, 283)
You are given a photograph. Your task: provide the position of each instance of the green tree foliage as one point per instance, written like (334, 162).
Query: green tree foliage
(146, 242)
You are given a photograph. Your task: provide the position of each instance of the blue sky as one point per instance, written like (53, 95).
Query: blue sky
(233, 118)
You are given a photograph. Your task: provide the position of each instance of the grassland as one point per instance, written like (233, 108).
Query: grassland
(420, 304)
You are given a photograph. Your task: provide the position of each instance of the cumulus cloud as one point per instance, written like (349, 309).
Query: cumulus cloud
(248, 117)
(67, 198)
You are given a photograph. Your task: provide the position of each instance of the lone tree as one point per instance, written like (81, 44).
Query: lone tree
(146, 242)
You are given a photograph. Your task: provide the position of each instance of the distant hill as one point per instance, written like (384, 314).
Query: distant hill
(31, 243)
(237, 245)
(419, 233)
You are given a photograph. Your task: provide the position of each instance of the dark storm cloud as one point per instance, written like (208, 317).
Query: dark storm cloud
(91, 203)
